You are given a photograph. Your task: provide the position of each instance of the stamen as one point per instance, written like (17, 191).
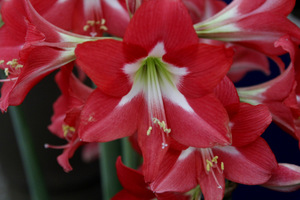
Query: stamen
(12, 69)
(211, 163)
(6, 71)
(92, 24)
(162, 125)
(67, 129)
(149, 130)
(8, 79)
(222, 166)
(103, 27)
(215, 159)
(14, 64)
(86, 27)
(46, 146)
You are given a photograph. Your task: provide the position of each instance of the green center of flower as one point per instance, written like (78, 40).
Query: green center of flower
(154, 70)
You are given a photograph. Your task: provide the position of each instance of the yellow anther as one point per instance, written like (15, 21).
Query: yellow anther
(1, 62)
(91, 22)
(67, 129)
(6, 71)
(149, 130)
(86, 27)
(14, 64)
(209, 162)
(104, 28)
(18, 66)
(162, 125)
(222, 166)
(215, 159)
(208, 167)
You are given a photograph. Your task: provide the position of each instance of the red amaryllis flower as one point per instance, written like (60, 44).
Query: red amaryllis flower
(248, 160)
(252, 24)
(86, 17)
(158, 81)
(135, 187)
(279, 94)
(31, 48)
(67, 109)
(244, 59)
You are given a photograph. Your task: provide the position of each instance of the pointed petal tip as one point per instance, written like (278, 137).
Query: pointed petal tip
(285, 178)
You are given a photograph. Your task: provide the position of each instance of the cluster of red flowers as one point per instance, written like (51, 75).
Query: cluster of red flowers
(165, 73)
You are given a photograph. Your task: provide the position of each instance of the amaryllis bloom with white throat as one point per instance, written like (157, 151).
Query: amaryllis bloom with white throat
(32, 49)
(86, 17)
(159, 81)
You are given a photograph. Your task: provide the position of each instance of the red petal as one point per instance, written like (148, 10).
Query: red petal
(285, 178)
(132, 181)
(9, 46)
(13, 13)
(103, 61)
(270, 29)
(56, 12)
(251, 164)
(172, 196)
(283, 7)
(248, 122)
(68, 153)
(226, 92)
(206, 66)
(116, 16)
(201, 10)
(205, 126)
(102, 119)
(58, 117)
(125, 195)
(179, 177)
(246, 60)
(161, 21)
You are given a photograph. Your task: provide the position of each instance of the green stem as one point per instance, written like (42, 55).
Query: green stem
(129, 156)
(109, 152)
(29, 158)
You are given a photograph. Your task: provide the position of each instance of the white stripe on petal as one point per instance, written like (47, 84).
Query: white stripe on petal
(158, 50)
(228, 149)
(184, 154)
